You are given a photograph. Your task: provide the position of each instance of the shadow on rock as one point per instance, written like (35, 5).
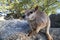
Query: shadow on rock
(55, 20)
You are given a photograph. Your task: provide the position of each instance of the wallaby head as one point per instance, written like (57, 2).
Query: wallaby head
(30, 14)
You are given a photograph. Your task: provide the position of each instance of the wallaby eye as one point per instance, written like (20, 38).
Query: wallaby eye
(31, 12)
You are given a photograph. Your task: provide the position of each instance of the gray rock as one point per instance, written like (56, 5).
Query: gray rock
(55, 20)
(18, 30)
(55, 32)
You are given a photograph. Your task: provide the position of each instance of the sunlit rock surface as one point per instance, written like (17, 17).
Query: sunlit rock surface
(18, 30)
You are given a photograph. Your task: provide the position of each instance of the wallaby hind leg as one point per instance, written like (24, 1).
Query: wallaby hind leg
(47, 31)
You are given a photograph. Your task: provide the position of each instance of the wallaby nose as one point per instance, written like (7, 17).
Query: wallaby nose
(23, 16)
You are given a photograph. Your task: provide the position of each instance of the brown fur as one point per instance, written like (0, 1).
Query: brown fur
(38, 20)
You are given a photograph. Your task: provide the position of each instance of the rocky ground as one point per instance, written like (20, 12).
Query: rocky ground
(18, 30)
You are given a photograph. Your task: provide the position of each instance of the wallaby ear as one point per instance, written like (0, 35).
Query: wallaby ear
(36, 8)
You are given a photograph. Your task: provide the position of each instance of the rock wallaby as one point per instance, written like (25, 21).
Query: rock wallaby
(38, 20)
